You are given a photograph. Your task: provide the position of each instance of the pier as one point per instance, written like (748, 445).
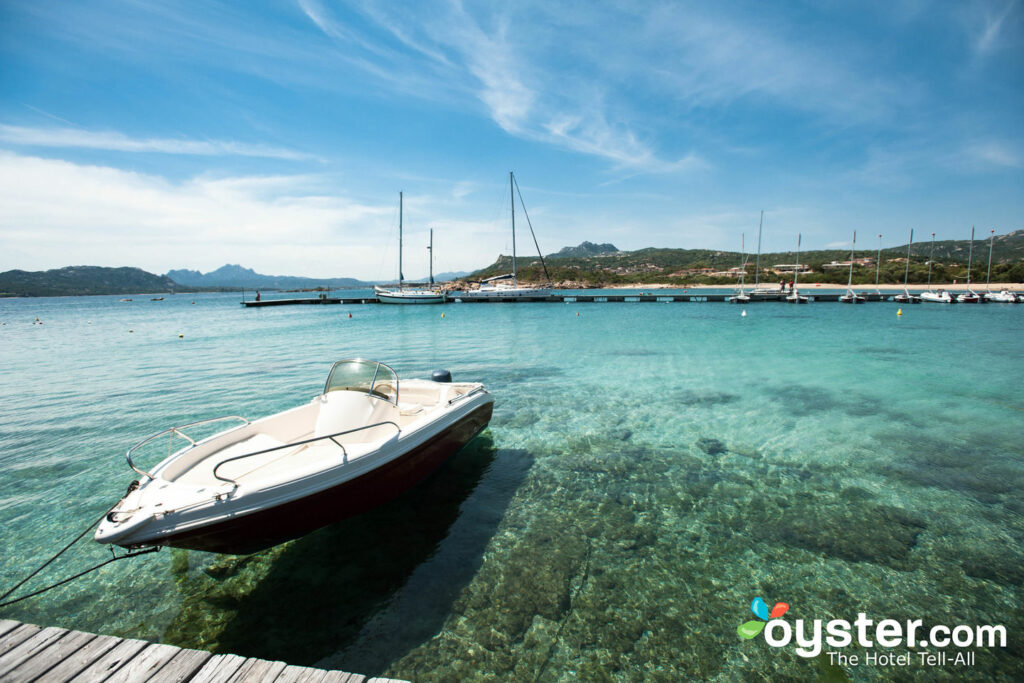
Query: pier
(30, 653)
(646, 297)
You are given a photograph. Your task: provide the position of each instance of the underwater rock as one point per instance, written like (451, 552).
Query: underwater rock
(711, 446)
(690, 397)
(857, 532)
(1006, 569)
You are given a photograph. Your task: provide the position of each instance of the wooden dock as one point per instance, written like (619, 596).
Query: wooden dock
(645, 297)
(31, 653)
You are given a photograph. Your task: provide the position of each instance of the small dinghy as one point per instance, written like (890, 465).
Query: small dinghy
(366, 439)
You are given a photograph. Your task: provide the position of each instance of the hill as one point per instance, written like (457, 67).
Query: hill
(83, 280)
(235, 276)
(587, 266)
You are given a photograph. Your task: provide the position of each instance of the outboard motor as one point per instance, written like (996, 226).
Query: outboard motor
(442, 376)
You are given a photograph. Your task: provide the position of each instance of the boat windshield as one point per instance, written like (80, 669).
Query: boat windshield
(363, 375)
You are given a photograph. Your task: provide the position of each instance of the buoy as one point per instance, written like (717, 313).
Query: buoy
(577, 314)
(181, 336)
(899, 311)
(350, 315)
(442, 315)
(131, 331)
(743, 314)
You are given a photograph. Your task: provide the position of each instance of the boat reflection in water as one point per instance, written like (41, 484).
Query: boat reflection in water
(366, 439)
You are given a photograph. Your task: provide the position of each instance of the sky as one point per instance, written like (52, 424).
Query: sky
(278, 135)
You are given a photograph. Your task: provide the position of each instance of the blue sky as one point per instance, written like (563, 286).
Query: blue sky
(278, 134)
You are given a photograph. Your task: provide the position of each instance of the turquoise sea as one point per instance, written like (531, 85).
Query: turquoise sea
(650, 469)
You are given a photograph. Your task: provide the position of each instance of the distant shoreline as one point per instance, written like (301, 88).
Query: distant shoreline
(959, 287)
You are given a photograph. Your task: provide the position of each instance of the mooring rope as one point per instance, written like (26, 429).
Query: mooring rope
(70, 578)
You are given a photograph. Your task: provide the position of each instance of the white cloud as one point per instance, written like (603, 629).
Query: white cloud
(118, 142)
(997, 153)
(56, 213)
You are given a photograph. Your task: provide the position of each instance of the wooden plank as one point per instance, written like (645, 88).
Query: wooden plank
(13, 639)
(183, 665)
(113, 660)
(258, 671)
(300, 674)
(144, 665)
(8, 625)
(29, 648)
(386, 680)
(218, 668)
(79, 660)
(343, 677)
(52, 656)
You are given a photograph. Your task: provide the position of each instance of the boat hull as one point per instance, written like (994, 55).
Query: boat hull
(267, 527)
(410, 298)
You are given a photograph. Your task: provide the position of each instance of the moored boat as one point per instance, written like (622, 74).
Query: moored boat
(906, 297)
(498, 287)
(795, 297)
(970, 296)
(366, 439)
(852, 297)
(416, 295)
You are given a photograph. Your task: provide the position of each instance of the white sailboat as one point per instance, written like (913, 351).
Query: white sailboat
(794, 296)
(415, 295)
(500, 287)
(852, 297)
(939, 296)
(906, 297)
(762, 293)
(970, 297)
(741, 297)
(1003, 296)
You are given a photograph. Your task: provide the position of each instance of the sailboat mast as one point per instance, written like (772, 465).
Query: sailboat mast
(743, 255)
(878, 264)
(430, 251)
(906, 272)
(400, 276)
(931, 257)
(757, 264)
(970, 255)
(796, 272)
(853, 245)
(988, 276)
(512, 203)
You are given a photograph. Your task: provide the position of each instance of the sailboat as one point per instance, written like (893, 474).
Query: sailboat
(762, 293)
(795, 296)
(741, 297)
(969, 297)
(939, 296)
(852, 297)
(499, 287)
(1003, 296)
(906, 297)
(415, 295)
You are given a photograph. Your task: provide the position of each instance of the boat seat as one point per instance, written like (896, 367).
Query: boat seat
(344, 410)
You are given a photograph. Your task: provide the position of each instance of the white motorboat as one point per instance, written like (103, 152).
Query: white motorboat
(416, 295)
(363, 441)
(1003, 296)
(499, 287)
(939, 296)
(852, 297)
(906, 297)
(970, 296)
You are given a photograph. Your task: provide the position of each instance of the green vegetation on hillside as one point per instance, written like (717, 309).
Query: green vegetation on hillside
(84, 280)
(682, 266)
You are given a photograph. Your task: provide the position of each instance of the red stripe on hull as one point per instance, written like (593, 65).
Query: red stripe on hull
(265, 528)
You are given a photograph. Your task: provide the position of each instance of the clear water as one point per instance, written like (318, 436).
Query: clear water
(650, 469)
